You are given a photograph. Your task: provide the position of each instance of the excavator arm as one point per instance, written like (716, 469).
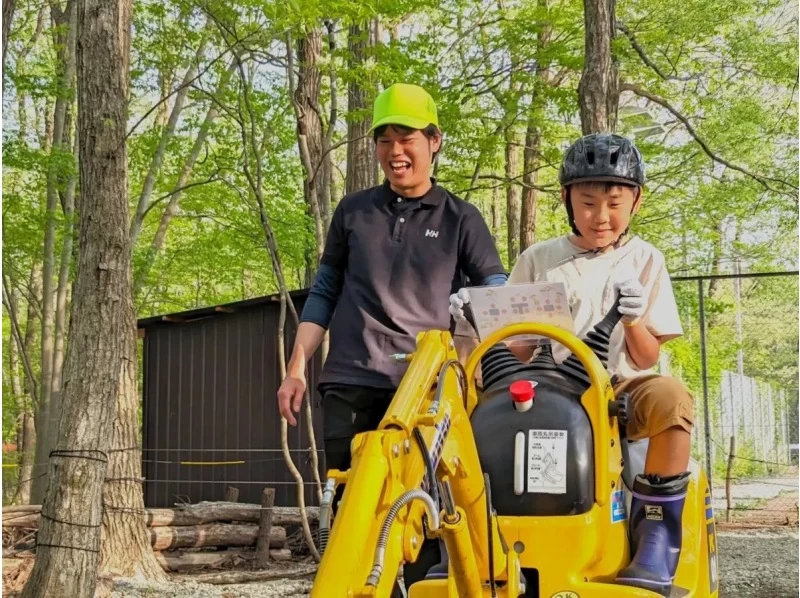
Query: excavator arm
(419, 475)
(392, 499)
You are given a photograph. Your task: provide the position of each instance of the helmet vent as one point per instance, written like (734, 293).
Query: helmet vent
(590, 157)
(613, 155)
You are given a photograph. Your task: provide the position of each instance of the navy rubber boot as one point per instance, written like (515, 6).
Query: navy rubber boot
(655, 532)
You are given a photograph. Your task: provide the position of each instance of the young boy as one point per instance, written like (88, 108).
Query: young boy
(601, 177)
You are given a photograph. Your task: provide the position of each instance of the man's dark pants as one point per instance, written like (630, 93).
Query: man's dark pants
(350, 410)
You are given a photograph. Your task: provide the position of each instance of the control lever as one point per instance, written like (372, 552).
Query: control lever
(620, 408)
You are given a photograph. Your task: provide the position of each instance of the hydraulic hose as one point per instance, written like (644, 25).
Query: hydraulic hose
(325, 509)
(383, 537)
(462, 384)
(433, 487)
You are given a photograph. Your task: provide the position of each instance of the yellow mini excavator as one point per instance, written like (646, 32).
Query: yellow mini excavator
(528, 483)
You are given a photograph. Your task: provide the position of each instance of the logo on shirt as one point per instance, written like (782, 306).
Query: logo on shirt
(431, 233)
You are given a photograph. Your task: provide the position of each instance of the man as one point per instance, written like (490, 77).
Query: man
(393, 255)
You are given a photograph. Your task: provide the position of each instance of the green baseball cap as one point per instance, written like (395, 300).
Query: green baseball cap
(404, 104)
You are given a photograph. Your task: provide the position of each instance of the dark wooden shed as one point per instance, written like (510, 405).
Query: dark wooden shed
(209, 416)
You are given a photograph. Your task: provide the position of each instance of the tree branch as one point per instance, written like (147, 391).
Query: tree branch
(15, 330)
(764, 181)
(647, 60)
(186, 83)
(211, 179)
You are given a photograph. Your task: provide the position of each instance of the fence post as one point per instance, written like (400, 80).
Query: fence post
(728, 497)
(264, 527)
(704, 367)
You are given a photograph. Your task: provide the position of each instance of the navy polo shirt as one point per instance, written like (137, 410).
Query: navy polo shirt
(394, 263)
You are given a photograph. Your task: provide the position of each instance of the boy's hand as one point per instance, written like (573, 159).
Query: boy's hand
(457, 303)
(632, 303)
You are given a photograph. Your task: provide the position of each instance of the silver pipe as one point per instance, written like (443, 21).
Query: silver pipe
(383, 537)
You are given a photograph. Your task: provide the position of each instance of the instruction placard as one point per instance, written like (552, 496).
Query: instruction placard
(547, 461)
(494, 308)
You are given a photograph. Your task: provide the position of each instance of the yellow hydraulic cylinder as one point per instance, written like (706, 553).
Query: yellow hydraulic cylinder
(463, 566)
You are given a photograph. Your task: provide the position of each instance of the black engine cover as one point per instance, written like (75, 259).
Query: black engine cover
(556, 407)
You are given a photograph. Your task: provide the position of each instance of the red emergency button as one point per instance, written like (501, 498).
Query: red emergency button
(522, 393)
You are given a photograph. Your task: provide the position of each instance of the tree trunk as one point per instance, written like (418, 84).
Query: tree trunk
(306, 96)
(63, 284)
(49, 410)
(126, 547)
(33, 319)
(9, 7)
(533, 136)
(165, 88)
(512, 195)
(29, 386)
(496, 218)
(527, 233)
(15, 384)
(598, 91)
(69, 537)
(25, 434)
(362, 168)
(28, 450)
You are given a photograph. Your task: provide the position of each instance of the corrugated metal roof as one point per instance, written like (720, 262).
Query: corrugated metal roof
(213, 310)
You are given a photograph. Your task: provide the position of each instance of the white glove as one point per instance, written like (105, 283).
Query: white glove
(632, 303)
(457, 303)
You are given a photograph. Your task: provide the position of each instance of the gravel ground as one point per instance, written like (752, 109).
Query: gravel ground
(759, 563)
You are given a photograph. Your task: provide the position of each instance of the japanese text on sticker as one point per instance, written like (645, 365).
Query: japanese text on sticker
(547, 461)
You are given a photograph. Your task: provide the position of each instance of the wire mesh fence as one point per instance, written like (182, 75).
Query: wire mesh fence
(739, 357)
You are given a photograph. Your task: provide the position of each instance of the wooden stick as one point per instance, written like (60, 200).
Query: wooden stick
(232, 494)
(728, 497)
(264, 527)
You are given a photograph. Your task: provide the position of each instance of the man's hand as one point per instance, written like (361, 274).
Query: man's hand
(632, 304)
(457, 303)
(290, 395)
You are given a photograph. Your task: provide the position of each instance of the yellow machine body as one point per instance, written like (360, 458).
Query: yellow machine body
(574, 556)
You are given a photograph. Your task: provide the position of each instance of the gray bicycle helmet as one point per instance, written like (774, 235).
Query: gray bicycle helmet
(602, 157)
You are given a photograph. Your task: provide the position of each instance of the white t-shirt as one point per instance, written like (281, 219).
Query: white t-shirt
(589, 280)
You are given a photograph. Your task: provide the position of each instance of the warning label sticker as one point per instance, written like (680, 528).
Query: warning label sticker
(618, 506)
(547, 461)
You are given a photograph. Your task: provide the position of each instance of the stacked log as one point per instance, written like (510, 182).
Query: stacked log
(202, 525)
(185, 515)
